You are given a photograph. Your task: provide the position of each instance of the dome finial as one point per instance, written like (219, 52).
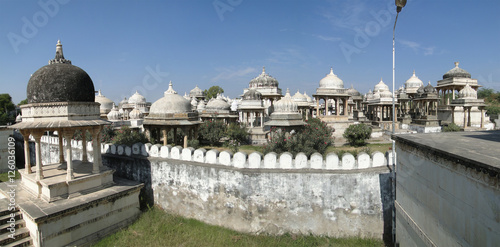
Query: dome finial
(413, 72)
(99, 94)
(331, 70)
(59, 58)
(263, 69)
(456, 64)
(170, 89)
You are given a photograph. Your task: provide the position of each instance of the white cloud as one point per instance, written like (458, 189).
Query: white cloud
(418, 48)
(228, 74)
(326, 38)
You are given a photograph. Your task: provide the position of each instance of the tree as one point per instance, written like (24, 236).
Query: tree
(212, 92)
(23, 102)
(357, 134)
(484, 93)
(212, 131)
(6, 109)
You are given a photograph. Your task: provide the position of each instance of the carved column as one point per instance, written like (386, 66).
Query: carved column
(465, 117)
(164, 131)
(185, 137)
(317, 107)
(61, 149)
(38, 151)
(96, 145)
(84, 145)
(68, 134)
(27, 161)
(482, 116)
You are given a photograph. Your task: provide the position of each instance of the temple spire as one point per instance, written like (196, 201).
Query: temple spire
(59, 58)
(263, 69)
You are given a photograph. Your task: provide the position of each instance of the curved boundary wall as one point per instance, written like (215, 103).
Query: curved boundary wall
(271, 194)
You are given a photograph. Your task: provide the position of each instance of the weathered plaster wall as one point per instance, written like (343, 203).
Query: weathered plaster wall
(334, 196)
(444, 203)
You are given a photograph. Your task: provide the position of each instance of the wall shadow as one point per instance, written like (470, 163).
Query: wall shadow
(136, 168)
(387, 205)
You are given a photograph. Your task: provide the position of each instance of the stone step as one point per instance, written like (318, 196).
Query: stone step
(5, 219)
(21, 242)
(18, 235)
(19, 224)
(4, 206)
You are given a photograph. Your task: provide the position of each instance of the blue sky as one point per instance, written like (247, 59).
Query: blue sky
(141, 45)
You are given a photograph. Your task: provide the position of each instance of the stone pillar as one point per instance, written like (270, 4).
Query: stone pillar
(96, 144)
(164, 131)
(84, 145)
(346, 107)
(38, 151)
(148, 133)
(68, 134)
(27, 161)
(482, 117)
(453, 90)
(251, 119)
(61, 151)
(317, 107)
(262, 119)
(465, 117)
(186, 130)
(468, 116)
(337, 106)
(452, 114)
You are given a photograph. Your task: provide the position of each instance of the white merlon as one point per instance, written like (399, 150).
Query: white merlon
(255, 160)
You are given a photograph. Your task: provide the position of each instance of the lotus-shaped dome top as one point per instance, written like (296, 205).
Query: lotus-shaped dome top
(413, 82)
(331, 81)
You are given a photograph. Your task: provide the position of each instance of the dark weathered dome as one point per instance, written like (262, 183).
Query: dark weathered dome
(60, 82)
(252, 94)
(457, 72)
(263, 80)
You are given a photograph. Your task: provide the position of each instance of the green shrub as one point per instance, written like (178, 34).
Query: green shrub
(237, 132)
(451, 128)
(211, 132)
(126, 136)
(492, 110)
(357, 134)
(315, 136)
(194, 144)
(107, 133)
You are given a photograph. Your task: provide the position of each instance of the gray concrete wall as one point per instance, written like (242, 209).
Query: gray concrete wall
(443, 203)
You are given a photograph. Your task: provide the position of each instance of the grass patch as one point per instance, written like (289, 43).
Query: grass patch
(4, 177)
(157, 228)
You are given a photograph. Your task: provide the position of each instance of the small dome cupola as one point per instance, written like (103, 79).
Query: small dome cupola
(413, 81)
(263, 80)
(457, 73)
(331, 81)
(60, 81)
(286, 104)
(467, 92)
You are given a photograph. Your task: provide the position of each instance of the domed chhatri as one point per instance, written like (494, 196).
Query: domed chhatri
(263, 80)
(286, 113)
(467, 93)
(331, 81)
(114, 114)
(171, 112)
(136, 114)
(457, 72)
(137, 98)
(170, 103)
(218, 104)
(106, 104)
(60, 81)
(197, 93)
(412, 84)
(252, 94)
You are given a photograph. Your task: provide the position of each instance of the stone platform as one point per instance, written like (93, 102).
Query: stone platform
(78, 220)
(55, 187)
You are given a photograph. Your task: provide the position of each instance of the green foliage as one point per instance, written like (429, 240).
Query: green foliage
(107, 133)
(7, 115)
(157, 228)
(315, 136)
(357, 134)
(23, 102)
(194, 144)
(237, 132)
(212, 92)
(211, 132)
(492, 110)
(451, 128)
(126, 136)
(484, 93)
(233, 145)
